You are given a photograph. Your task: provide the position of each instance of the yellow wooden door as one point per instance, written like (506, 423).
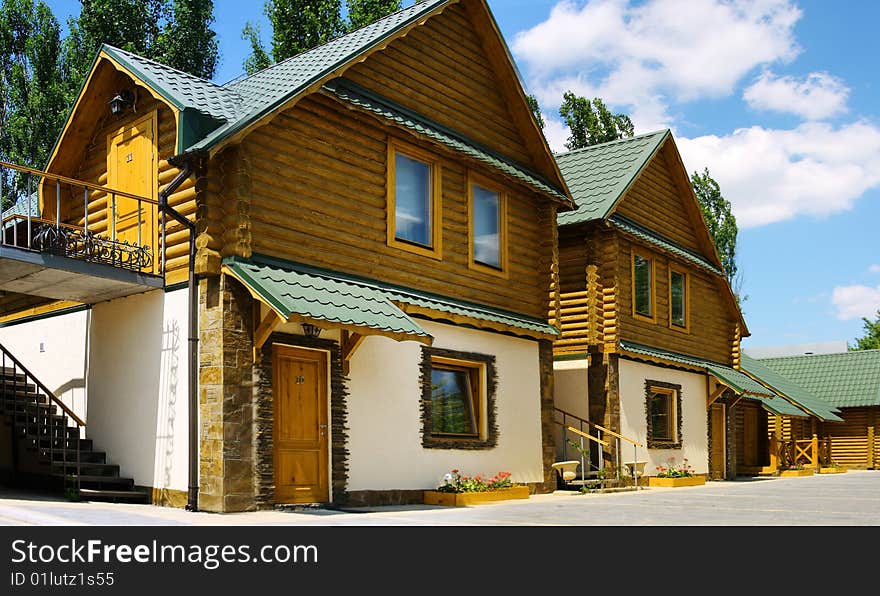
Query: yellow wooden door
(132, 168)
(718, 441)
(300, 429)
(750, 437)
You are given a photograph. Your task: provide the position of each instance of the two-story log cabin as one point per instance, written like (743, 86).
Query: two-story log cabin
(374, 227)
(649, 355)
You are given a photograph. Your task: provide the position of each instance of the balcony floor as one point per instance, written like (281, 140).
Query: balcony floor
(26, 271)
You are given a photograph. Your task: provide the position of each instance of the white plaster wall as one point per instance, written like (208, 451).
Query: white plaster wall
(54, 349)
(633, 422)
(385, 422)
(570, 393)
(138, 386)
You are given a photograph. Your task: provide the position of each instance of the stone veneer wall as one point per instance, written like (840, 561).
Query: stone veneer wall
(545, 357)
(264, 470)
(226, 454)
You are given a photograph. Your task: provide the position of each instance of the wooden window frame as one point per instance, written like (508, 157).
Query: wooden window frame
(687, 299)
(395, 146)
(473, 179)
(653, 286)
(483, 378)
(674, 393)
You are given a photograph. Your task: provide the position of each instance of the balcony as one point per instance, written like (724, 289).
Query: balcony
(73, 255)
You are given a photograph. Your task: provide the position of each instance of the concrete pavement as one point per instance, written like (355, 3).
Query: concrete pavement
(850, 499)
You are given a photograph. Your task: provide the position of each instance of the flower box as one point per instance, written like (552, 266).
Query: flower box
(804, 472)
(832, 470)
(436, 497)
(679, 481)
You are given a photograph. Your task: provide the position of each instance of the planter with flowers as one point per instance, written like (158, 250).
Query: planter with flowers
(673, 475)
(459, 491)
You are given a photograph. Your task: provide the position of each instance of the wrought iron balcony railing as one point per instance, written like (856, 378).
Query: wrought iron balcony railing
(94, 241)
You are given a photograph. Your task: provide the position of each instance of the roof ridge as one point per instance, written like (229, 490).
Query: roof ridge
(830, 354)
(614, 142)
(242, 77)
(156, 62)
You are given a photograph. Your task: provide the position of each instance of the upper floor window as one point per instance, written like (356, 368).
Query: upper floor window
(487, 226)
(643, 286)
(414, 209)
(678, 299)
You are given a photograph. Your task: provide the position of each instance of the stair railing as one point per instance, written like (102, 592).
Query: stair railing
(17, 370)
(599, 434)
(584, 451)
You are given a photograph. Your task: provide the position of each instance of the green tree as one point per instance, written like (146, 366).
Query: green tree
(721, 223)
(32, 98)
(591, 123)
(871, 339)
(259, 58)
(536, 110)
(188, 42)
(364, 12)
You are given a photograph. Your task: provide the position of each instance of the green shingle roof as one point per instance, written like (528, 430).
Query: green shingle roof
(212, 112)
(598, 176)
(844, 380)
(390, 111)
(781, 406)
(324, 298)
(632, 228)
(785, 386)
(736, 380)
(406, 296)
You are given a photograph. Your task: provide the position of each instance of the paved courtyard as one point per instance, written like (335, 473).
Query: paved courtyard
(850, 499)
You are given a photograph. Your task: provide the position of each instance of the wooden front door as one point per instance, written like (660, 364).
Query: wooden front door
(750, 437)
(132, 168)
(300, 430)
(719, 453)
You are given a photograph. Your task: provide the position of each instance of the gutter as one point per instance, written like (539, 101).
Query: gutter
(193, 409)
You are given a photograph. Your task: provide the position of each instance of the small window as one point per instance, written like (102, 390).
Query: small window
(487, 226)
(643, 286)
(457, 400)
(678, 299)
(663, 408)
(413, 200)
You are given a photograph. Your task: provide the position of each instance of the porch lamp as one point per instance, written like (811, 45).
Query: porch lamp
(310, 330)
(121, 101)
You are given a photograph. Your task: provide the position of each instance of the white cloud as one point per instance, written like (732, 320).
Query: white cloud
(774, 175)
(819, 95)
(874, 269)
(641, 56)
(854, 302)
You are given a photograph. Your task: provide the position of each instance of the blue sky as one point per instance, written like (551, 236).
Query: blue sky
(778, 98)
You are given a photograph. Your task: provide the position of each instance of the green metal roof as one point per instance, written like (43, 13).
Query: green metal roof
(598, 176)
(402, 295)
(212, 112)
(736, 380)
(324, 298)
(353, 94)
(780, 406)
(844, 380)
(788, 388)
(628, 226)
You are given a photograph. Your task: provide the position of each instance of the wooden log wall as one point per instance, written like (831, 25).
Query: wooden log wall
(442, 70)
(854, 441)
(711, 324)
(318, 179)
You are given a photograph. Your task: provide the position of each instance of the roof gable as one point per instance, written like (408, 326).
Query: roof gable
(844, 380)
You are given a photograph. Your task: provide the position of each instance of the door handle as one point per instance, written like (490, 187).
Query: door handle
(323, 428)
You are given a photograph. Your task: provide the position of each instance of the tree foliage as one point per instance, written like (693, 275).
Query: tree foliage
(32, 90)
(364, 12)
(591, 123)
(871, 339)
(188, 42)
(536, 110)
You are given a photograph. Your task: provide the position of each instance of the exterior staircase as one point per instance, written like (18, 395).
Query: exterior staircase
(42, 444)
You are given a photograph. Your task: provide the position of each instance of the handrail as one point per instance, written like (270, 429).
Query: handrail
(588, 436)
(39, 384)
(602, 428)
(75, 182)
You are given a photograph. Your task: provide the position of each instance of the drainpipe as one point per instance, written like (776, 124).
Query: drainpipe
(193, 413)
